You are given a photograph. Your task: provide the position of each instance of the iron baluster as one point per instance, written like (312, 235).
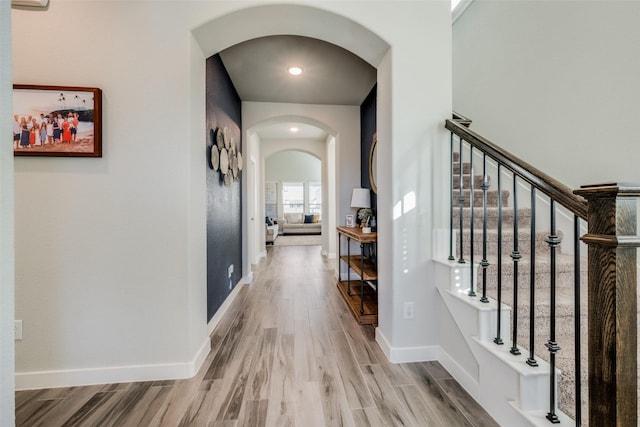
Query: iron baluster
(362, 252)
(472, 292)
(498, 338)
(484, 263)
(451, 257)
(531, 361)
(348, 266)
(461, 204)
(576, 315)
(515, 256)
(554, 241)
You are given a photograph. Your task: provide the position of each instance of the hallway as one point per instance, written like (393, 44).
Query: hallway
(286, 353)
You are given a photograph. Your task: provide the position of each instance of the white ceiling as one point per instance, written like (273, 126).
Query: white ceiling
(331, 76)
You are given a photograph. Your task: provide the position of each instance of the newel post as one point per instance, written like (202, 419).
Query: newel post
(612, 239)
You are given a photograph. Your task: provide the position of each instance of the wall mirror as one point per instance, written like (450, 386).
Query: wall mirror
(373, 163)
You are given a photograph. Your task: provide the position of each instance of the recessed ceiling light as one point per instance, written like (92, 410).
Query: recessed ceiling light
(295, 71)
(294, 129)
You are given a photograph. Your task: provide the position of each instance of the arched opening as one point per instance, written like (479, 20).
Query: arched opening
(318, 141)
(211, 38)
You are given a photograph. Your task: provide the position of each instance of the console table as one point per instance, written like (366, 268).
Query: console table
(360, 294)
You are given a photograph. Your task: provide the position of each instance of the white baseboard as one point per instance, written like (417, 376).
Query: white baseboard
(467, 381)
(227, 303)
(124, 374)
(109, 375)
(406, 354)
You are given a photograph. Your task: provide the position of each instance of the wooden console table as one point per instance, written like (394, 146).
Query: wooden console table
(361, 294)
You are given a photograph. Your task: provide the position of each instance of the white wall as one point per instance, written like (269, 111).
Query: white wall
(293, 166)
(411, 106)
(7, 401)
(110, 276)
(555, 83)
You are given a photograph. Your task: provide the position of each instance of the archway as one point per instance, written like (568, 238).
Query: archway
(261, 118)
(228, 30)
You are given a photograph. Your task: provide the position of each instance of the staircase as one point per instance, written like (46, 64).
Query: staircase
(565, 336)
(504, 383)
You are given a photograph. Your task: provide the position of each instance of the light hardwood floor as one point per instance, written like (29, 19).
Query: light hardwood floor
(287, 353)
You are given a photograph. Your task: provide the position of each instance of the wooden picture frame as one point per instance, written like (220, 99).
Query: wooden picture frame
(350, 221)
(57, 121)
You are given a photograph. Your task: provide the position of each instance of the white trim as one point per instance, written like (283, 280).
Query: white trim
(168, 371)
(120, 374)
(462, 376)
(227, 303)
(406, 354)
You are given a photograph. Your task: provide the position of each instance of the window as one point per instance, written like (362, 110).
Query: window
(293, 197)
(315, 198)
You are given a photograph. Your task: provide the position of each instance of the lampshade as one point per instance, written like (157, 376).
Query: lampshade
(361, 198)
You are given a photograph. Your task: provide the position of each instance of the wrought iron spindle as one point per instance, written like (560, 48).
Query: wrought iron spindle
(498, 338)
(531, 361)
(515, 256)
(576, 315)
(461, 204)
(484, 263)
(554, 241)
(472, 292)
(451, 257)
(348, 266)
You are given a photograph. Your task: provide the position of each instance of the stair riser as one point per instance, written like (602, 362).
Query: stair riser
(524, 243)
(492, 198)
(466, 168)
(466, 181)
(524, 218)
(564, 280)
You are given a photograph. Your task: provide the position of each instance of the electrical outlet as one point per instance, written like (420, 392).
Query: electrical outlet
(230, 270)
(408, 310)
(17, 330)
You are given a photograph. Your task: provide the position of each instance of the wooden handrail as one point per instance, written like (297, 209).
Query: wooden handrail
(459, 118)
(540, 180)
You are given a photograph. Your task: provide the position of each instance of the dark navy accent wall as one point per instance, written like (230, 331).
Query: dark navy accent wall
(367, 130)
(224, 204)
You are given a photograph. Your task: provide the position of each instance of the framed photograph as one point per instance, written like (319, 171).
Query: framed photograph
(350, 221)
(57, 121)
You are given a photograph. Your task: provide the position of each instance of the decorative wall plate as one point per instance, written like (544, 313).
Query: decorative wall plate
(227, 138)
(220, 139)
(234, 166)
(240, 162)
(215, 158)
(224, 161)
(233, 149)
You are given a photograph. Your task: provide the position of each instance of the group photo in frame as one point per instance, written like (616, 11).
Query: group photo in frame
(57, 121)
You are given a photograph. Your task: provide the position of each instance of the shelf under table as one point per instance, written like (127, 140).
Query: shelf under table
(370, 315)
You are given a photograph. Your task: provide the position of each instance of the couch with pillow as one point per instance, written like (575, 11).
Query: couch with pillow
(270, 230)
(300, 223)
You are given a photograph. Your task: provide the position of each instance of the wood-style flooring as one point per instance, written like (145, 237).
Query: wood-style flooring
(287, 353)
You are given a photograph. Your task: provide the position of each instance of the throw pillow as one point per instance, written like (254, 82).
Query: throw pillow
(316, 218)
(308, 219)
(267, 220)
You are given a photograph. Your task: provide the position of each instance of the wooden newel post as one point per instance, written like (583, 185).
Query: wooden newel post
(612, 239)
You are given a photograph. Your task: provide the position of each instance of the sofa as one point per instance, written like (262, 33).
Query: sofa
(271, 233)
(300, 223)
